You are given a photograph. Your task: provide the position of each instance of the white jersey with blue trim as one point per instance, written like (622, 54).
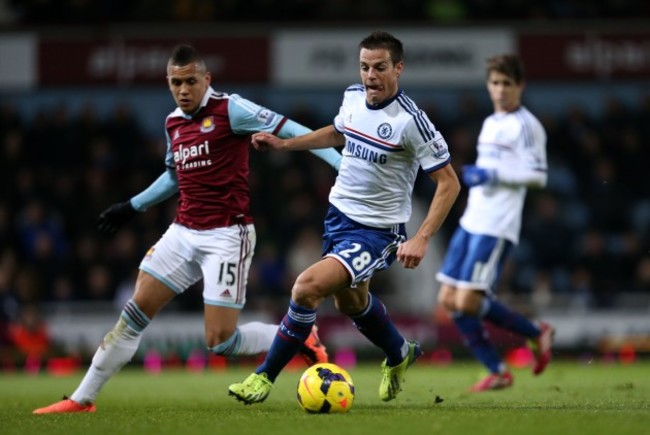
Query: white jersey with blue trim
(509, 143)
(384, 147)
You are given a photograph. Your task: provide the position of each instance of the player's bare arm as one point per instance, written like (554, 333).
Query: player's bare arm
(411, 252)
(264, 141)
(325, 137)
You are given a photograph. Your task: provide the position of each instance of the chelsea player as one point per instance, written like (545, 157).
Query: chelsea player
(511, 158)
(386, 139)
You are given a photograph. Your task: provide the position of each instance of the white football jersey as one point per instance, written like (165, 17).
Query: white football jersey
(510, 143)
(384, 147)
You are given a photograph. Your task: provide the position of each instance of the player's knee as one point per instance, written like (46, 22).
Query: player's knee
(447, 298)
(470, 303)
(306, 291)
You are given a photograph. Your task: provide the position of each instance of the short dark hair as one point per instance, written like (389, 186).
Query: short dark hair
(386, 41)
(185, 54)
(507, 64)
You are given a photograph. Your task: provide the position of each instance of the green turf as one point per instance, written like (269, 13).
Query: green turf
(570, 398)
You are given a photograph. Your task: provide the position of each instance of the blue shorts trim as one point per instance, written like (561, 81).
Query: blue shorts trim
(362, 250)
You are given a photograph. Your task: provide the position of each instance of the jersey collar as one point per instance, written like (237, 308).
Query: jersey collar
(385, 103)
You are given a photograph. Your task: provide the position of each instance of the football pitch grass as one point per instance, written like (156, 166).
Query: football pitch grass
(570, 398)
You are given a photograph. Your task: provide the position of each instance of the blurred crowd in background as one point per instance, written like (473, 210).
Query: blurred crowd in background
(38, 12)
(586, 235)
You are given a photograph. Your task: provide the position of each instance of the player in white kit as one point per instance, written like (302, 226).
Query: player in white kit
(386, 139)
(511, 158)
(212, 236)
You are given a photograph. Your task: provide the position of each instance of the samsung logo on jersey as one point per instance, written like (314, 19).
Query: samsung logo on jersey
(364, 153)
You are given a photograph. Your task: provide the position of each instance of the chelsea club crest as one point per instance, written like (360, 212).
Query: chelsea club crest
(384, 130)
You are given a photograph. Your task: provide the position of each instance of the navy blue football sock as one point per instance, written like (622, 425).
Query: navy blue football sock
(503, 317)
(375, 323)
(476, 338)
(292, 333)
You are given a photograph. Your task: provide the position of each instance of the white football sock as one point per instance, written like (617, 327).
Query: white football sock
(256, 337)
(117, 349)
(249, 339)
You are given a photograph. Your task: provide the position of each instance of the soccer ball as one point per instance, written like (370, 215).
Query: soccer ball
(325, 389)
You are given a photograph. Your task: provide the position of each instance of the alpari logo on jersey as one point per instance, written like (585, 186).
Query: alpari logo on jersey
(265, 116)
(358, 150)
(439, 148)
(183, 153)
(207, 125)
(384, 130)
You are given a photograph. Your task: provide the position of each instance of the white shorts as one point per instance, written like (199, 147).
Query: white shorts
(222, 257)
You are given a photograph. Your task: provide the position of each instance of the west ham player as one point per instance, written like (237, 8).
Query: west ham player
(212, 236)
(387, 138)
(511, 157)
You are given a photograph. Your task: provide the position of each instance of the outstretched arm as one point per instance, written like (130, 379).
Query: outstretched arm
(475, 175)
(411, 252)
(118, 214)
(293, 129)
(165, 186)
(325, 137)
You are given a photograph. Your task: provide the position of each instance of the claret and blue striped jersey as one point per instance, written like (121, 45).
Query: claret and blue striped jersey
(209, 152)
(384, 147)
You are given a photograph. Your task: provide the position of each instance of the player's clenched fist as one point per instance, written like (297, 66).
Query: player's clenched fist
(263, 141)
